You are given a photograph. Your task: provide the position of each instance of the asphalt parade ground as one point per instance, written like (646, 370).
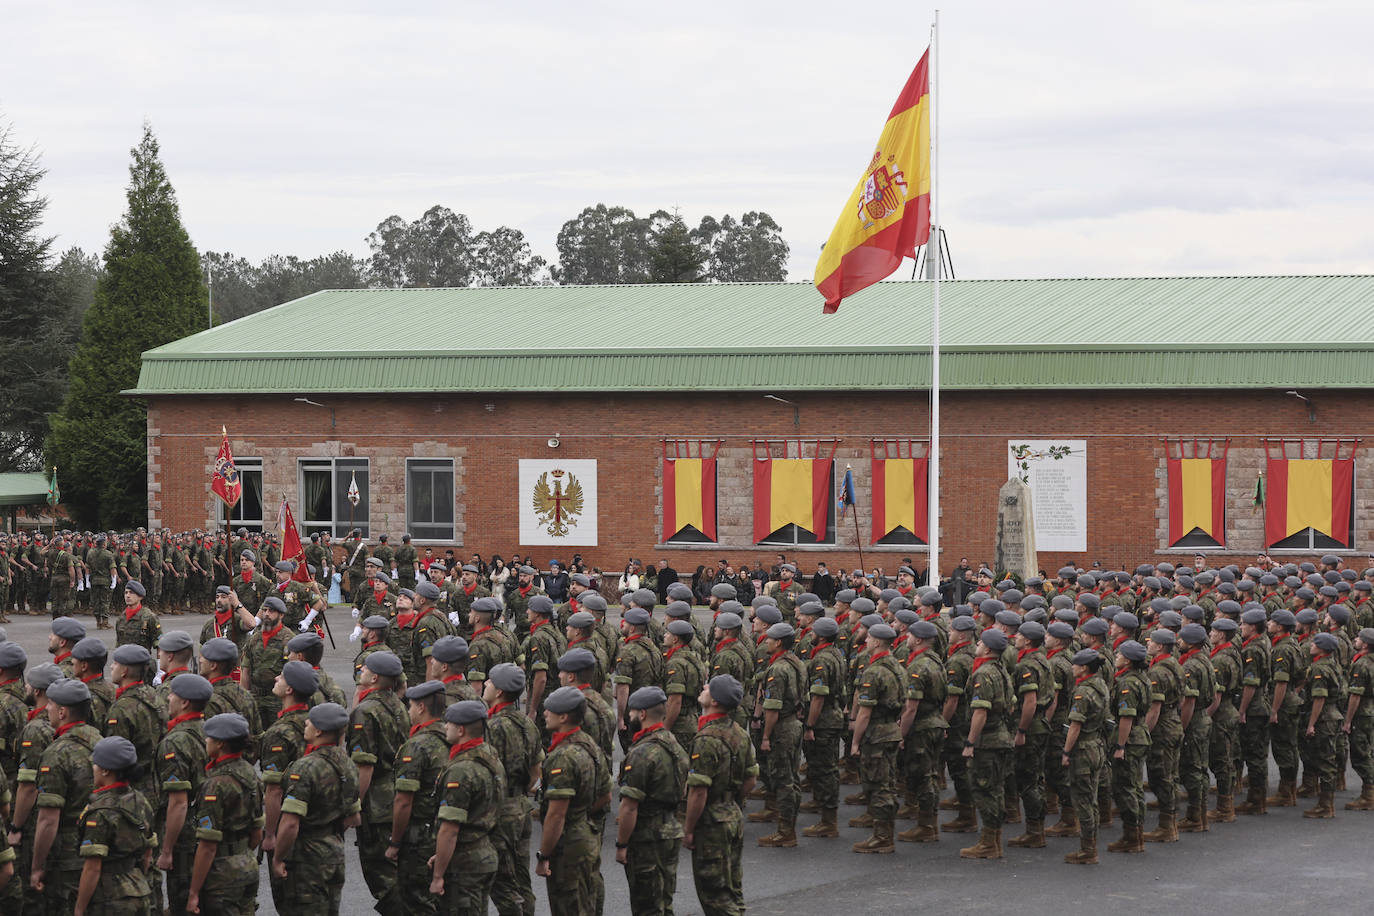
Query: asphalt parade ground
(1278, 862)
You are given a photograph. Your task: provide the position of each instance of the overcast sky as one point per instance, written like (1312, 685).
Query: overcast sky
(1076, 139)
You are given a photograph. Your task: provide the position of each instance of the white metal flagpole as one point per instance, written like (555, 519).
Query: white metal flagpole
(933, 566)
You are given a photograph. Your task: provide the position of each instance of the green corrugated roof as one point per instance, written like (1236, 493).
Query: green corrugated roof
(21, 488)
(1212, 332)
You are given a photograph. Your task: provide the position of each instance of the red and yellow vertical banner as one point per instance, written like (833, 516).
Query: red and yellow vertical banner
(1197, 498)
(901, 497)
(1308, 493)
(888, 212)
(791, 491)
(689, 496)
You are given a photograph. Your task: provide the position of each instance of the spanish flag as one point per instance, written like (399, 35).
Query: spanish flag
(689, 496)
(900, 497)
(791, 491)
(1308, 493)
(888, 213)
(1197, 498)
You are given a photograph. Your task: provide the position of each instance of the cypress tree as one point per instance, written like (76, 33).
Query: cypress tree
(151, 293)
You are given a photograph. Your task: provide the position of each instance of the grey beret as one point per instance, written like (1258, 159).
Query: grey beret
(1087, 580)
(1284, 618)
(540, 604)
(768, 614)
(678, 610)
(963, 624)
(329, 717)
(889, 594)
(924, 629)
(286, 566)
(276, 604)
(89, 649)
(681, 591)
(636, 616)
(191, 687)
(1084, 657)
(1126, 620)
(906, 616)
(376, 622)
(425, 689)
(728, 621)
(1163, 637)
(1032, 631)
(1013, 596)
(1327, 642)
(845, 596)
(724, 590)
(581, 621)
(1008, 618)
(43, 676)
(383, 577)
(384, 663)
(784, 630)
(12, 655)
(648, 698)
(114, 753)
(135, 586)
(450, 649)
(1061, 601)
(1067, 615)
(219, 649)
(1193, 634)
(493, 606)
(304, 642)
(1306, 593)
(565, 700)
(406, 593)
(1363, 585)
(1366, 636)
(132, 654)
(869, 621)
(811, 609)
(1339, 613)
(1328, 591)
(68, 628)
(581, 579)
(373, 561)
(991, 607)
(1254, 617)
(1228, 607)
(863, 605)
(1171, 619)
(761, 600)
(1225, 625)
(440, 565)
(507, 677)
(644, 598)
(301, 678)
(1132, 650)
(679, 627)
(995, 640)
(469, 567)
(1095, 626)
(223, 590)
(733, 607)
(591, 602)
(578, 659)
(1306, 616)
(69, 692)
(466, 712)
(826, 628)
(527, 570)
(787, 567)
(1090, 601)
(1227, 588)
(1060, 630)
(175, 641)
(429, 591)
(725, 690)
(248, 555)
(226, 726)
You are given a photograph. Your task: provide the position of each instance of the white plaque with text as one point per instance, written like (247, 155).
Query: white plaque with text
(1057, 471)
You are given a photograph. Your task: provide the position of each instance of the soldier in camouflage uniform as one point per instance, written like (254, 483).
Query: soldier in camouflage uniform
(1132, 744)
(88, 666)
(722, 771)
(785, 592)
(417, 630)
(581, 631)
(153, 557)
(377, 729)
(1226, 665)
(823, 726)
(1199, 691)
(117, 836)
(1323, 721)
(540, 650)
(732, 656)
(384, 552)
(989, 744)
(1254, 710)
(517, 597)
(180, 764)
(653, 779)
(419, 764)
(577, 788)
(101, 562)
(33, 742)
(1166, 734)
(321, 802)
(782, 687)
(62, 567)
(684, 676)
(491, 645)
(13, 714)
(1084, 752)
(137, 625)
(218, 661)
(309, 648)
(301, 603)
(250, 586)
(137, 713)
(283, 744)
(373, 631)
(64, 788)
(639, 664)
(1288, 672)
(922, 727)
(575, 669)
(462, 596)
(446, 663)
(228, 822)
(407, 559)
(515, 740)
(879, 697)
(375, 594)
(1359, 718)
(1031, 676)
(470, 794)
(264, 653)
(176, 653)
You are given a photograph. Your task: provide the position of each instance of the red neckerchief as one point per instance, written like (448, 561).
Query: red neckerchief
(703, 721)
(536, 625)
(220, 759)
(1023, 653)
(312, 748)
(1301, 637)
(491, 714)
(667, 656)
(725, 642)
(63, 729)
(292, 708)
(184, 717)
(175, 671)
(583, 687)
(525, 589)
(363, 695)
(113, 785)
(980, 662)
(479, 631)
(466, 746)
(425, 724)
(34, 713)
(129, 612)
(379, 594)
(222, 617)
(631, 638)
(917, 654)
(1119, 640)
(573, 606)
(1159, 658)
(10, 681)
(557, 738)
(644, 731)
(874, 658)
(1316, 658)
(85, 678)
(571, 642)
(120, 691)
(774, 657)
(1120, 672)
(1051, 653)
(1280, 638)
(1358, 656)
(267, 635)
(247, 575)
(469, 589)
(281, 586)
(818, 647)
(1189, 654)
(1245, 642)
(905, 591)
(1079, 680)
(450, 678)
(1213, 653)
(953, 649)
(221, 677)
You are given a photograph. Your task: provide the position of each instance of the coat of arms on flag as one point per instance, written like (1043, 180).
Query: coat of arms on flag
(558, 502)
(225, 482)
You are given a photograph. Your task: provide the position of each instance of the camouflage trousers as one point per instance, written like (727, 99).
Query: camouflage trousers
(952, 756)
(1028, 765)
(651, 873)
(61, 594)
(920, 757)
(313, 885)
(58, 897)
(780, 766)
(466, 893)
(378, 871)
(989, 771)
(118, 906)
(574, 872)
(878, 774)
(1319, 754)
(1161, 770)
(1220, 755)
(178, 877)
(1126, 784)
(154, 587)
(231, 888)
(1084, 772)
(100, 601)
(1253, 747)
(717, 866)
(512, 891)
(1192, 761)
(823, 766)
(410, 894)
(1056, 774)
(1362, 747)
(1283, 743)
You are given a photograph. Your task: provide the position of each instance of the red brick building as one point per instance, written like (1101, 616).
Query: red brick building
(431, 399)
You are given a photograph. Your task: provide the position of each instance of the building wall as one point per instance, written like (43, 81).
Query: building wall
(487, 435)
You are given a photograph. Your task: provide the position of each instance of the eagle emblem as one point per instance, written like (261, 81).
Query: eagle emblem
(557, 504)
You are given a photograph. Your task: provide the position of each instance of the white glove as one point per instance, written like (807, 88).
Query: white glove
(309, 619)
(357, 613)
(257, 621)
(356, 635)
(158, 678)
(454, 619)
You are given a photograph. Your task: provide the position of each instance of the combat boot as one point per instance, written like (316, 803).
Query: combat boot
(1168, 829)
(767, 815)
(809, 806)
(909, 809)
(1011, 809)
(988, 846)
(1326, 805)
(1340, 777)
(1225, 811)
(1087, 851)
(757, 792)
(1033, 838)
(1132, 840)
(1365, 802)
(1068, 823)
(1308, 789)
(880, 843)
(863, 820)
(1286, 795)
(826, 827)
(784, 838)
(950, 804)
(1254, 799)
(925, 831)
(966, 822)
(858, 798)
(1051, 801)
(1195, 821)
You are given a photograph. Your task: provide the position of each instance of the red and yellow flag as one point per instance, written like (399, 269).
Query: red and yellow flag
(901, 497)
(1197, 498)
(791, 491)
(1308, 493)
(689, 496)
(888, 213)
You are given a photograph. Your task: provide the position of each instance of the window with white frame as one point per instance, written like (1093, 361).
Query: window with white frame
(324, 487)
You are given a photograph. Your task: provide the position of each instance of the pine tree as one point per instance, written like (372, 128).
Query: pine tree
(151, 293)
(676, 256)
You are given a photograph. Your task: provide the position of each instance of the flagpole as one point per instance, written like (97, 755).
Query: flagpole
(933, 566)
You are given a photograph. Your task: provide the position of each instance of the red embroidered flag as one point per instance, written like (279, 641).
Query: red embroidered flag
(225, 482)
(291, 548)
